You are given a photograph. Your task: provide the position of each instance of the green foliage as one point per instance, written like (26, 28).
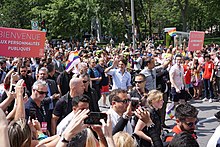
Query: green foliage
(212, 40)
(65, 18)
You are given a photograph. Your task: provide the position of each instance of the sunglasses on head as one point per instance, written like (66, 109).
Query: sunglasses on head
(42, 92)
(125, 101)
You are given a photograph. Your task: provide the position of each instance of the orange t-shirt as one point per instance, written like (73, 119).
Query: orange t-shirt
(209, 66)
(176, 130)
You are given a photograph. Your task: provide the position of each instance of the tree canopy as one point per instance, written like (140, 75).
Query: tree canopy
(65, 18)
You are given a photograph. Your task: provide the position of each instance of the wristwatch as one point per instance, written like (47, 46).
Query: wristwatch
(125, 116)
(151, 126)
(64, 140)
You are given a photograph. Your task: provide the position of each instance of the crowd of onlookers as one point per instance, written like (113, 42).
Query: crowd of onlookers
(44, 103)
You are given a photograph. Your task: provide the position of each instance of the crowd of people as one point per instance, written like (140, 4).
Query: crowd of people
(45, 102)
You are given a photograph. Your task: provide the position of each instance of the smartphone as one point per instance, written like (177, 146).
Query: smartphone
(94, 118)
(25, 91)
(13, 90)
(135, 102)
(15, 69)
(33, 114)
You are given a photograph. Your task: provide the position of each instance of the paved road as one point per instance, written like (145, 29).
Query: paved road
(207, 123)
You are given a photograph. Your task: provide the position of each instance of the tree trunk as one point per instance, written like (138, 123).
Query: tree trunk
(184, 20)
(183, 7)
(126, 20)
(137, 24)
(149, 17)
(150, 22)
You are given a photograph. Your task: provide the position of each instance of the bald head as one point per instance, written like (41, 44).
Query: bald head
(74, 82)
(77, 86)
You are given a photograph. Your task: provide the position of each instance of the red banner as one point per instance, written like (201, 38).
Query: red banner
(196, 40)
(21, 43)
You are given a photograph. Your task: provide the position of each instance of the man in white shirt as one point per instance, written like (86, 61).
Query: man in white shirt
(177, 81)
(79, 103)
(137, 61)
(121, 108)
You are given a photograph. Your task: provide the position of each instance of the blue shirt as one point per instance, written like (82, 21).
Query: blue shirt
(120, 80)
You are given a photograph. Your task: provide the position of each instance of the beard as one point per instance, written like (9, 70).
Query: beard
(191, 131)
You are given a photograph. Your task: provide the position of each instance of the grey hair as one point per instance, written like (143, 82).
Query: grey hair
(85, 75)
(39, 83)
(43, 69)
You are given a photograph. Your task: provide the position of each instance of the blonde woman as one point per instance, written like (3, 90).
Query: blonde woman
(154, 103)
(123, 139)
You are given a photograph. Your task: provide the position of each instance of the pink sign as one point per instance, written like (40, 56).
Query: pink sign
(21, 43)
(196, 40)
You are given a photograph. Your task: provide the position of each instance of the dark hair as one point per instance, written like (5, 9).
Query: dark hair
(178, 55)
(148, 60)
(23, 66)
(183, 139)
(123, 61)
(184, 111)
(84, 98)
(207, 56)
(1, 62)
(141, 75)
(114, 94)
(50, 67)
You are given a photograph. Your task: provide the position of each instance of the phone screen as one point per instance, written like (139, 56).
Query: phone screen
(32, 114)
(134, 103)
(94, 118)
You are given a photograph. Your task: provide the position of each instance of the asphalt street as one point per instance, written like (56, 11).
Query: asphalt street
(207, 122)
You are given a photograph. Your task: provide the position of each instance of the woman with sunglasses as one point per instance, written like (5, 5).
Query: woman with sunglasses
(154, 102)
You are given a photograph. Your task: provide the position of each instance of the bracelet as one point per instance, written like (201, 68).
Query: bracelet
(41, 136)
(151, 126)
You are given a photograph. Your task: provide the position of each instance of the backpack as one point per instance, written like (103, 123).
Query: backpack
(164, 135)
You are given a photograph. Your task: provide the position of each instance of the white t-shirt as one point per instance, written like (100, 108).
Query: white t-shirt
(177, 72)
(115, 118)
(215, 137)
(64, 123)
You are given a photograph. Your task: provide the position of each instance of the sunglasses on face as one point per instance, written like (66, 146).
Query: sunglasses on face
(23, 71)
(125, 101)
(191, 124)
(139, 82)
(42, 92)
(85, 82)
